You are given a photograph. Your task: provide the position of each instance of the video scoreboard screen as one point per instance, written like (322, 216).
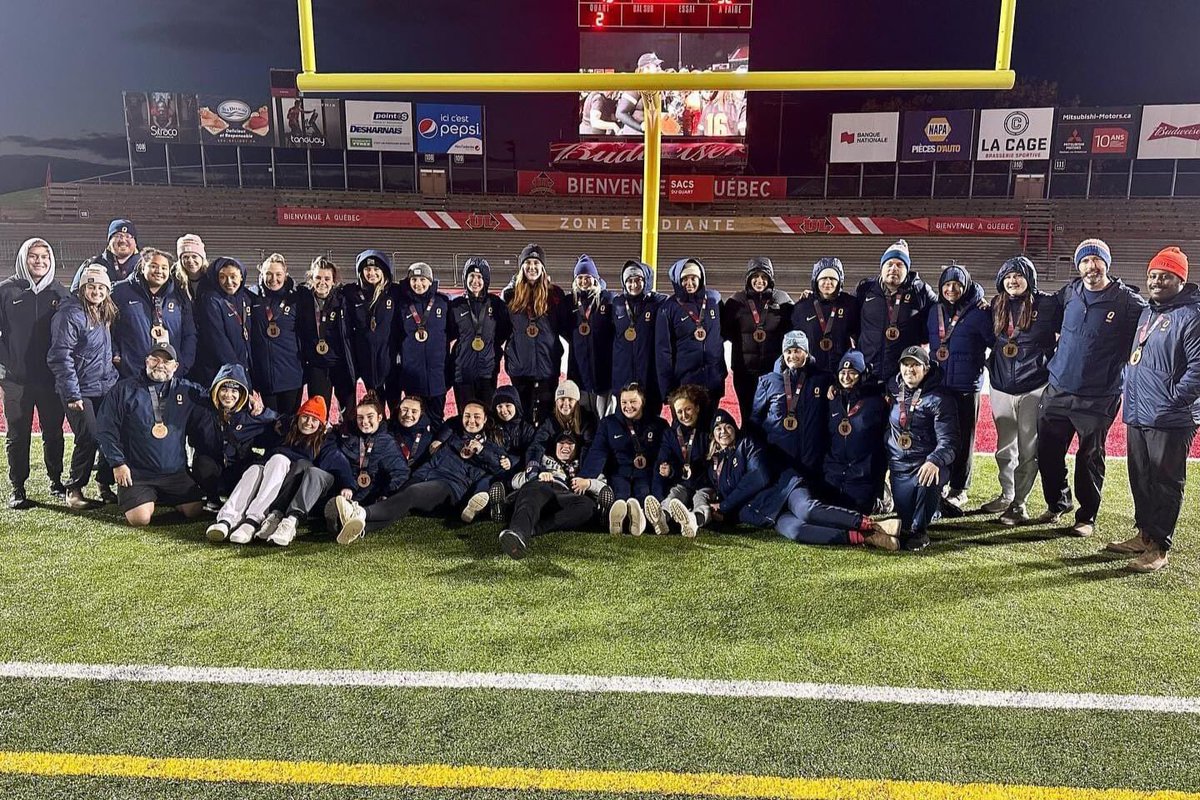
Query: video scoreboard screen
(599, 15)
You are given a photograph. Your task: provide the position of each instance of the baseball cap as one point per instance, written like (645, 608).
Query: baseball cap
(915, 353)
(646, 59)
(166, 349)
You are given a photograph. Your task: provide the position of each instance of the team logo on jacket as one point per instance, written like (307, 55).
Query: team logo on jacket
(237, 427)
(171, 305)
(439, 313)
(178, 399)
(647, 316)
(1111, 316)
(388, 305)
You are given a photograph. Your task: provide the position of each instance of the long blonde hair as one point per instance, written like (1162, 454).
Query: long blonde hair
(531, 299)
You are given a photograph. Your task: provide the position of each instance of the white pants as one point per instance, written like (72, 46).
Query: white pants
(1016, 417)
(255, 491)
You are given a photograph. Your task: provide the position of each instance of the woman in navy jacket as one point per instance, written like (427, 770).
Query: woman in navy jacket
(569, 415)
(635, 312)
(378, 466)
(223, 321)
(960, 333)
(687, 335)
(680, 486)
(856, 462)
(150, 310)
(515, 436)
(828, 315)
(371, 308)
(589, 359)
(324, 345)
(413, 431)
(80, 358)
(748, 491)
(540, 315)
(626, 446)
(754, 321)
(421, 327)
(1026, 323)
(275, 365)
(223, 440)
(922, 435)
(789, 410)
(480, 327)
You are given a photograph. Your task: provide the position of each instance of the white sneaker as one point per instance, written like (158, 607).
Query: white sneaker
(243, 534)
(655, 516)
(284, 532)
(616, 517)
(355, 524)
(345, 508)
(477, 503)
(268, 525)
(686, 519)
(217, 532)
(637, 518)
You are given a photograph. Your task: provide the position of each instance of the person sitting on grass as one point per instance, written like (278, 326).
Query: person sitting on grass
(375, 459)
(470, 454)
(550, 496)
(680, 486)
(747, 492)
(567, 414)
(413, 431)
(271, 498)
(856, 461)
(225, 436)
(516, 434)
(141, 430)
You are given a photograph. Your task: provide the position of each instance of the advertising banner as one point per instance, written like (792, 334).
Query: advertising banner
(610, 153)
(690, 189)
(1170, 132)
(859, 138)
(595, 184)
(456, 130)
(975, 226)
(372, 125)
(233, 121)
(1015, 134)
(938, 135)
(1082, 133)
(308, 122)
(160, 118)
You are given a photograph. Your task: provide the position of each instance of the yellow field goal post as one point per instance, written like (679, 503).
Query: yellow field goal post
(651, 84)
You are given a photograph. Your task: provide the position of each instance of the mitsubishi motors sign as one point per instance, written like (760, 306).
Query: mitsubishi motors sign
(859, 138)
(1170, 132)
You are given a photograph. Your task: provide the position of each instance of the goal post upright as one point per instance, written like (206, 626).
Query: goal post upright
(653, 83)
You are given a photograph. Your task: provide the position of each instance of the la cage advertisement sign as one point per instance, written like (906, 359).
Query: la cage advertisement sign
(1015, 134)
(866, 137)
(1170, 132)
(457, 130)
(938, 135)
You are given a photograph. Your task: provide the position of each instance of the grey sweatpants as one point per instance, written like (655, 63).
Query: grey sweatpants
(1016, 417)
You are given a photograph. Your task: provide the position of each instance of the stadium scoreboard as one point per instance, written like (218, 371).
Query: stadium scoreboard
(599, 15)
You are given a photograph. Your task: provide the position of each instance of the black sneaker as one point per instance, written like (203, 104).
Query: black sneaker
(57, 490)
(108, 496)
(497, 495)
(17, 501)
(513, 544)
(915, 542)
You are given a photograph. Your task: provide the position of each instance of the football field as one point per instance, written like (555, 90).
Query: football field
(423, 663)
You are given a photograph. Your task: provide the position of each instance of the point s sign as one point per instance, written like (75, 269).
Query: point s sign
(457, 130)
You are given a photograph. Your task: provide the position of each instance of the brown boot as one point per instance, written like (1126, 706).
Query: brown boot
(1152, 560)
(1134, 545)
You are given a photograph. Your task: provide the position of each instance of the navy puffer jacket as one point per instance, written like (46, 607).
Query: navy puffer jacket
(681, 358)
(460, 474)
(1162, 390)
(633, 359)
(80, 354)
(968, 338)
(538, 356)
(774, 310)
(485, 317)
(619, 441)
(802, 448)
(230, 439)
(747, 490)
(136, 307)
(222, 324)
(933, 425)
(329, 326)
(275, 364)
(423, 363)
(1029, 368)
(858, 456)
(377, 455)
(371, 321)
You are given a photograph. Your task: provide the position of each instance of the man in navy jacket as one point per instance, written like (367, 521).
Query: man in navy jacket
(1100, 320)
(892, 311)
(120, 256)
(1162, 407)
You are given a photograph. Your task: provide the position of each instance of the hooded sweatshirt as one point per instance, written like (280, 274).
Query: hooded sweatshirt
(26, 311)
(963, 329)
(222, 325)
(483, 318)
(681, 357)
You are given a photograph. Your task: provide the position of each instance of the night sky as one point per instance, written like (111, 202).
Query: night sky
(67, 62)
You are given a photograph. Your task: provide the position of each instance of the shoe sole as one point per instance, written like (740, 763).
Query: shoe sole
(1138, 568)
(474, 506)
(654, 515)
(616, 518)
(890, 527)
(216, 535)
(512, 545)
(687, 521)
(496, 498)
(637, 518)
(351, 531)
(882, 541)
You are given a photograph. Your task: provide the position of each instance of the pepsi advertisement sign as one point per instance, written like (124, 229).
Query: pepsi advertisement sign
(457, 130)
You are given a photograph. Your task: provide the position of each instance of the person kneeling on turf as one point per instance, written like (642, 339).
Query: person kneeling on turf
(551, 497)
(141, 431)
(922, 435)
(747, 492)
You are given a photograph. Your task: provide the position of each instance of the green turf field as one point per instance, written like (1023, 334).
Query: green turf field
(984, 608)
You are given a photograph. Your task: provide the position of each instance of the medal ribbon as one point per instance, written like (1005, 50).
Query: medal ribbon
(158, 403)
(698, 318)
(755, 314)
(417, 318)
(907, 407)
(637, 443)
(825, 326)
(364, 452)
(1152, 324)
(850, 412)
(241, 320)
(790, 396)
(943, 337)
(894, 309)
(158, 311)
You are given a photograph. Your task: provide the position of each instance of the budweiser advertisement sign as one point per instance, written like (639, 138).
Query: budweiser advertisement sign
(1170, 132)
(596, 184)
(608, 153)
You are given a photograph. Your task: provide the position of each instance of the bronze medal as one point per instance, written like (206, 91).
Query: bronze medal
(639, 461)
(584, 329)
(372, 324)
(364, 479)
(826, 344)
(158, 334)
(760, 335)
(630, 334)
(1010, 350)
(421, 335)
(942, 353)
(892, 333)
(465, 453)
(322, 347)
(687, 471)
(531, 331)
(904, 440)
(845, 428)
(700, 334)
(159, 430)
(1136, 357)
(273, 330)
(790, 423)
(477, 344)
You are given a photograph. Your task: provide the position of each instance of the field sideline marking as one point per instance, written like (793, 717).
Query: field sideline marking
(601, 684)
(441, 776)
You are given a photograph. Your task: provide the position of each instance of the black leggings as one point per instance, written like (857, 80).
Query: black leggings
(83, 425)
(537, 398)
(424, 496)
(283, 402)
(540, 508)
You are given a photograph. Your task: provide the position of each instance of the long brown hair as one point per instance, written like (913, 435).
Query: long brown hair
(1001, 313)
(573, 422)
(531, 299)
(310, 442)
(102, 313)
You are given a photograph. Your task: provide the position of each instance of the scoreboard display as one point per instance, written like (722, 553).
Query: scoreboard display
(599, 15)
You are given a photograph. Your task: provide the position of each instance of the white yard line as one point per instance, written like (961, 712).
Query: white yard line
(601, 684)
